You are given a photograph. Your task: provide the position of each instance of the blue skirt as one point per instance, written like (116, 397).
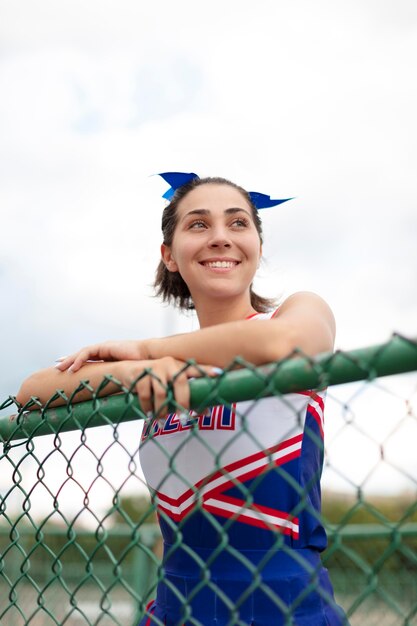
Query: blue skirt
(247, 587)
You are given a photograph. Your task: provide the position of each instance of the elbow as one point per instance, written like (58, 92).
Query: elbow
(22, 396)
(27, 390)
(282, 346)
(295, 342)
(33, 387)
(305, 327)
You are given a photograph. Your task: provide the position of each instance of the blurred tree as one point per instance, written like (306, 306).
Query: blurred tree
(134, 510)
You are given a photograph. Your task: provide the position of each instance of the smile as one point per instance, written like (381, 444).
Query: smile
(220, 264)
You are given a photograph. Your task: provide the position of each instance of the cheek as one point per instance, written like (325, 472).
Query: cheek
(182, 253)
(255, 246)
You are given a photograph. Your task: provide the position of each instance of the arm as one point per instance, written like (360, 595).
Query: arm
(44, 383)
(151, 388)
(304, 321)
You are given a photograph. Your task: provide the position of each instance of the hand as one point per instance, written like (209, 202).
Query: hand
(106, 351)
(152, 388)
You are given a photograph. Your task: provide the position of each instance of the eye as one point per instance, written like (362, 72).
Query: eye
(240, 222)
(197, 224)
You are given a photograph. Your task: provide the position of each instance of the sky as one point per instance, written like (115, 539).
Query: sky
(314, 101)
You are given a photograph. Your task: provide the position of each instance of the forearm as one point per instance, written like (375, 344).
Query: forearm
(44, 384)
(257, 342)
(304, 322)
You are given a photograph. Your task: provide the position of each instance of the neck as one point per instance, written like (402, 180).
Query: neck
(221, 311)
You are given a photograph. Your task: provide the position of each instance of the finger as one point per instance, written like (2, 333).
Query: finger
(60, 363)
(82, 358)
(160, 390)
(194, 371)
(65, 362)
(144, 391)
(94, 353)
(77, 360)
(181, 388)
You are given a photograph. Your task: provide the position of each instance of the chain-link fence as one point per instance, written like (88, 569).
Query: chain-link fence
(79, 542)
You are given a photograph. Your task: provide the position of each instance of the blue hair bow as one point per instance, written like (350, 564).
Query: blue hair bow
(177, 179)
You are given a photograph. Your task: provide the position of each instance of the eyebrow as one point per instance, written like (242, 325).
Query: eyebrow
(230, 211)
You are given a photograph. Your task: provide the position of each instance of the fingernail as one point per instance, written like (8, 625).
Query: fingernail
(57, 365)
(217, 370)
(61, 358)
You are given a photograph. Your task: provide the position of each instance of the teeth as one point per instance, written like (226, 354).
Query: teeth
(221, 264)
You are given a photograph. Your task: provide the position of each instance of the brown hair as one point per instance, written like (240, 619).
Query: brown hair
(170, 285)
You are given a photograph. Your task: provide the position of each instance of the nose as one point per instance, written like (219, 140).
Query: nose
(219, 238)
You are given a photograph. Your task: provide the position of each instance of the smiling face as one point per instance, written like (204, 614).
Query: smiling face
(216, 247)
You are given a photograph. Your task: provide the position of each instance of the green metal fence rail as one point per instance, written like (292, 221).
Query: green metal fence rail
(78, 540)
(397, 356)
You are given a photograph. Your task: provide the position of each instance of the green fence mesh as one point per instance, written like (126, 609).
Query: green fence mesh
(79, 542)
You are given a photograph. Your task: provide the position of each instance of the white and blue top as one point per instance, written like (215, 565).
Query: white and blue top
(238, 495)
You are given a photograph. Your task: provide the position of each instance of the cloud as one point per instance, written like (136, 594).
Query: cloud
(312, 101)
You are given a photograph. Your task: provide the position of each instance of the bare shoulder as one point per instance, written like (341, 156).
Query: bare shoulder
(311, 316)
(305, 300)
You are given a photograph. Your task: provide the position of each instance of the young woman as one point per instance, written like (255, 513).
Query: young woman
(237, 489)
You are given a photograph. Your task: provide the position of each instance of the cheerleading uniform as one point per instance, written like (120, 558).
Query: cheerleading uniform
(238, 497)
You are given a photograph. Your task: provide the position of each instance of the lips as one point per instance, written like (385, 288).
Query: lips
(220, 264)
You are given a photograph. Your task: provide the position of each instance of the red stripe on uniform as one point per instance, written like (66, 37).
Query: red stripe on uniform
(252, 473)
(314, 396)
(148, 606)
(267, 510)
(317, 418)
(243, 516)
(221, 488)
(234, 466)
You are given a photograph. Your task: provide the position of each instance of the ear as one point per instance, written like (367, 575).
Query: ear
(167, 258)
